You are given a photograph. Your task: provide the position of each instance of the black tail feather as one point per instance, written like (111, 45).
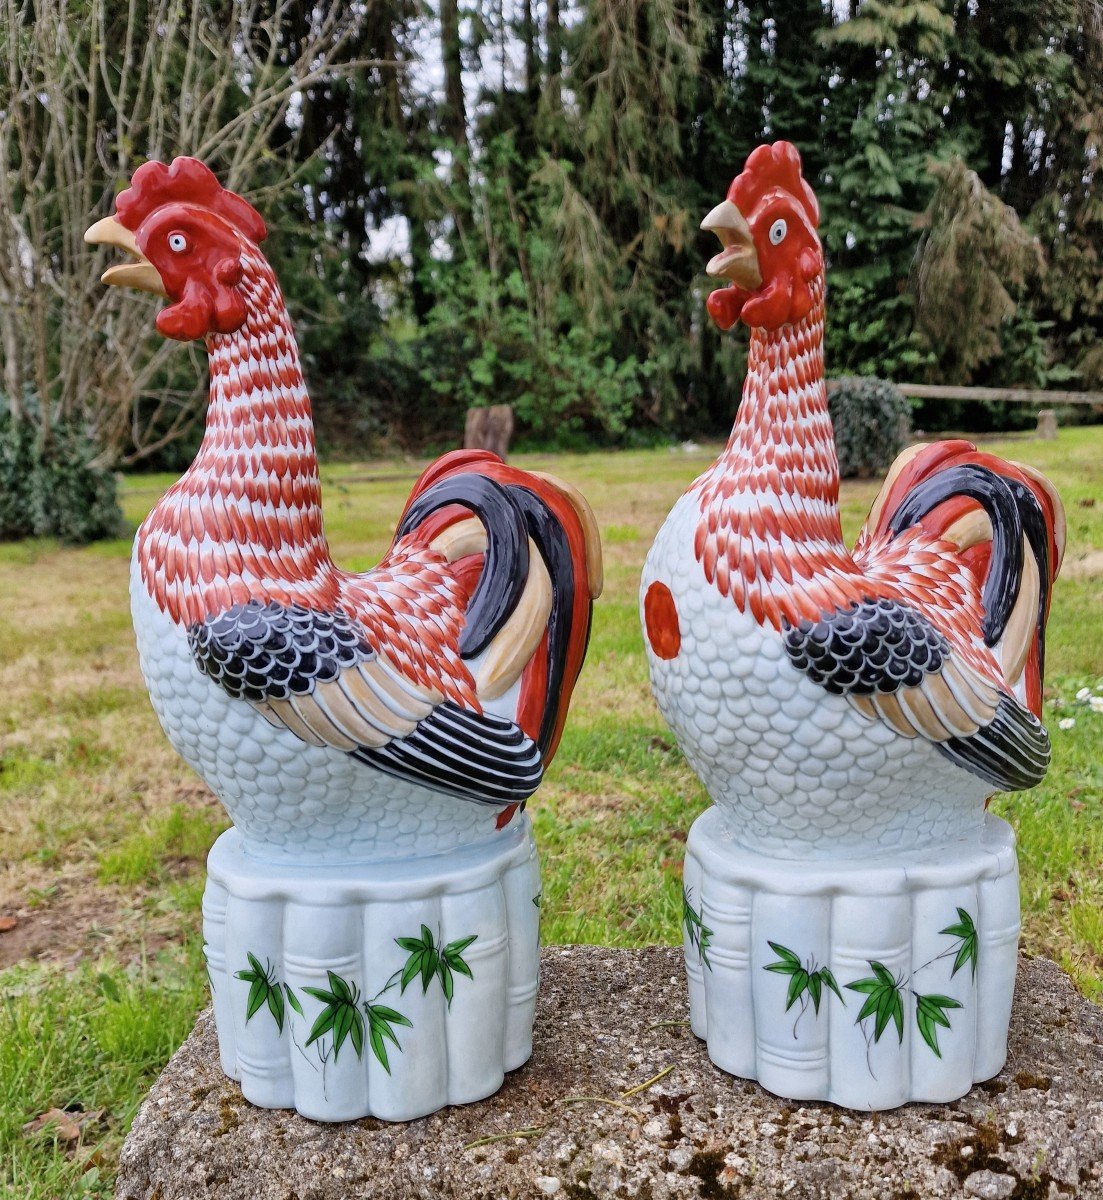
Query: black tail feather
(1012, 510)
(506, 565)
(547, 532)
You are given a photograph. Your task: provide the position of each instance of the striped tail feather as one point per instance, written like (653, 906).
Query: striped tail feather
(1008, 524)
(520, 512)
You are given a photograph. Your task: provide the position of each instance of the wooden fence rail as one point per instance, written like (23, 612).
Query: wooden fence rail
(938, 391)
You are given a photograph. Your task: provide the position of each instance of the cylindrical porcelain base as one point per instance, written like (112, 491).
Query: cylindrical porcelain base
(387, 989)
(868, 983)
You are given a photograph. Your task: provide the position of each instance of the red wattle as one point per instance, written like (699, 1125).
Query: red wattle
(725, 305)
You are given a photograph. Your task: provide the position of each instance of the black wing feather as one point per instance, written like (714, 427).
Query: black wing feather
(878, 647)
(485, 758)
(261, 651)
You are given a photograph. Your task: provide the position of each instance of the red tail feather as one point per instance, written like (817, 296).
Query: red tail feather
(940, 456)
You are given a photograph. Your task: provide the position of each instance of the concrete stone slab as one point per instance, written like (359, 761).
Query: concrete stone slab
(569, 1125)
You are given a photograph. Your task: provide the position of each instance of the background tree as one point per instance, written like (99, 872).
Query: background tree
(498, 200)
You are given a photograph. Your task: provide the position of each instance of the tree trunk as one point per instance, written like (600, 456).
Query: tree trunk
(455, 114)
(532, 62)
(553, 36)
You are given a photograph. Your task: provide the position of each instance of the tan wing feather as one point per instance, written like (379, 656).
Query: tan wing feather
(514, 644)
(595, 567)
(314, 717)
(953, 702)
(898, 464)
(970, 529)
(1018, 634)
(459, 540)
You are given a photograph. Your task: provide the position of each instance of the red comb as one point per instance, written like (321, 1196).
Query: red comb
(191, 182)
(769, 167)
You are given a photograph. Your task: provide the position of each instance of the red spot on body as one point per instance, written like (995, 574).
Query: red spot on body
(661, 618)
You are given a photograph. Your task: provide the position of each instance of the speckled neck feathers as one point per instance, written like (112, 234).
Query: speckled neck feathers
(770, 504)
(247, 513)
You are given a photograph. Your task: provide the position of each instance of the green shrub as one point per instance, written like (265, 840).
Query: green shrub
(871, 419)
(57, 492)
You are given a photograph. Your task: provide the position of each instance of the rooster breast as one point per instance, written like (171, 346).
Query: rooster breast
(289, 799)
(796, 771)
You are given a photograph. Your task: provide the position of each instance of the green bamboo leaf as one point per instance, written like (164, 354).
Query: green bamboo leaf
(258, 993)
(927, 1031)
(339, 987)
(411, 944)
(322, 1025)
(358, 1033)
(864, 985)
(815, 987)
(784, 953)
(247, 976)
(323, 995)
(378, 1048)
(797, 986)
(884, 975)
(341, 1027)
(429, 961)
(293, 1000)
(967, 951)
(254, 962)
(427, 937)
(937, 1004)
(445, 974)
(390, 1015)
(829, 979)
(412, 968)
(869, 1008)
(461, 944)
(782, 968)
(884, 1011)
(386, 1031)
(458, 964)
(275, 1006)
(898, 1014)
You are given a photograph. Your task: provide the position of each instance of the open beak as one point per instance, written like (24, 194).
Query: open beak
(738, 260)
(140, 273)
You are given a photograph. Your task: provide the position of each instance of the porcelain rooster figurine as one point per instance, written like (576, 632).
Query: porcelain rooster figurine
(839, 704)
(341, 718)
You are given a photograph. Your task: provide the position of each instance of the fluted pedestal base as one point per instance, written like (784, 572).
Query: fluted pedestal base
(868, 983)
(387, 989)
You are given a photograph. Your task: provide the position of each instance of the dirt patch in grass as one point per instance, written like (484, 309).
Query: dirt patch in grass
(66, 920)
(1084, 566)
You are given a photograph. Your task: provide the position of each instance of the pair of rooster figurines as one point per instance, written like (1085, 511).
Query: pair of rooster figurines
(372, 918)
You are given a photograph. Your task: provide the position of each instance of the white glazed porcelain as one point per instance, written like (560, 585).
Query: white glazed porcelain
(429, 964)
(851, 912)
(939, 922)
(372, 918)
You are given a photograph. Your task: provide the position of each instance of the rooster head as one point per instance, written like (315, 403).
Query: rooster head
(186, 235)
(770, 249)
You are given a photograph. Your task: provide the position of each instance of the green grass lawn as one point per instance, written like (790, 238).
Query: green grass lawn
(103, 832)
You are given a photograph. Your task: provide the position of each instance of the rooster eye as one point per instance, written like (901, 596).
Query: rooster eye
(178, 243)
(778, 230)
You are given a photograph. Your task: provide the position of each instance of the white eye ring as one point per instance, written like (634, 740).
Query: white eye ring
(778, 230)
(178, 243)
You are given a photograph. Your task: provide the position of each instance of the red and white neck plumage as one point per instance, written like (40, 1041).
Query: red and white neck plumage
(770, 534)
(245, 520)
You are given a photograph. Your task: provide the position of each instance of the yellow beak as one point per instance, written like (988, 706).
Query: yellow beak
(738, 261)
(141, 273)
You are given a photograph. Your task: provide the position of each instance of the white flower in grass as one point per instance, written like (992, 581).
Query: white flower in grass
(1084, 694)
(1066, 722)
(1096, 703)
